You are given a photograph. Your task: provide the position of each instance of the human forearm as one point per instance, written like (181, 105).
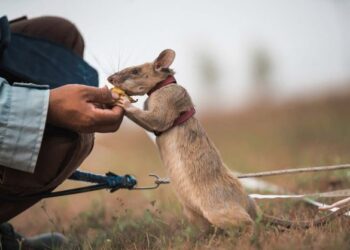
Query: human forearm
(23, 110)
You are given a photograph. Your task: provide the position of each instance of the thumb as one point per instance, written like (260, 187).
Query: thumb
(101, 95)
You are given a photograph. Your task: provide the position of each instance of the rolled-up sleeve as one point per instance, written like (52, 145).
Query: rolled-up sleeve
(23, 111)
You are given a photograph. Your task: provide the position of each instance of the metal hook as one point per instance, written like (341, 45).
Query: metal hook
(158, 181)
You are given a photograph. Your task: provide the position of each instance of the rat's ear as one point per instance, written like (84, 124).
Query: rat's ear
(164, 60)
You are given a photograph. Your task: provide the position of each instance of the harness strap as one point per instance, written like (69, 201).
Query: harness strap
(184, 116)
(169, 80)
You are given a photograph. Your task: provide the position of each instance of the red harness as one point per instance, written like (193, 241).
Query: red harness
(184, 116)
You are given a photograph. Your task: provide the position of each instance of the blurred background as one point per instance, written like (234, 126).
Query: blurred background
(235, 49)
(270, 81)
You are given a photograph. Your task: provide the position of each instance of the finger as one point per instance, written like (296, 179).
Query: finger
(120, 103)
(101, 95)
(107, 129)
(108, 117)
(110, 128)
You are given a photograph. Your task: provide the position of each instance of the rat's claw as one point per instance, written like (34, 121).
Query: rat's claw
(124, 101)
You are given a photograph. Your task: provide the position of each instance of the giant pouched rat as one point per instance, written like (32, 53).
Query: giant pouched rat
(207, 189)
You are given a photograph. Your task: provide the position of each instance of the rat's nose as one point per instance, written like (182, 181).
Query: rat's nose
(114, 79)
(110, 79)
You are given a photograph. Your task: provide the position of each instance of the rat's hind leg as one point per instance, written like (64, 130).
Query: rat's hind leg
(196, 219)
(233, 217)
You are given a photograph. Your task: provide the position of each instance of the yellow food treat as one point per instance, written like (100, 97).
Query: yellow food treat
(121, 92)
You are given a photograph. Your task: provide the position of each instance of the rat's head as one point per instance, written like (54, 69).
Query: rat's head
(139, 80)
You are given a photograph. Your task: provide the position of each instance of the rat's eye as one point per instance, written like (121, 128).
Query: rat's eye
(135, 71)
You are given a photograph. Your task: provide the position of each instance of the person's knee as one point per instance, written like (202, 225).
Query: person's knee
(63, 151)
(60, 155)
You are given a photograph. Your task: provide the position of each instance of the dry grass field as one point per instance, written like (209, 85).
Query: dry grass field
(262, 137)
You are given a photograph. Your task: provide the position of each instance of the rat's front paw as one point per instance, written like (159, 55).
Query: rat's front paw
(124, 102)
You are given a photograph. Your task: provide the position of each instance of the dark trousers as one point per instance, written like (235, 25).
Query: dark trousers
(62, 151)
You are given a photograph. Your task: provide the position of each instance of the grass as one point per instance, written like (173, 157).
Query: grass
(262, 137)
(152, 230)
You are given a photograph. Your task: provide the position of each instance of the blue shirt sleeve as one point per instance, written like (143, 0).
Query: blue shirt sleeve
(23, 111)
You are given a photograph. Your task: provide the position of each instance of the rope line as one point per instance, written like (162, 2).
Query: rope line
(295, 170)
(336, 193)
(306, 197)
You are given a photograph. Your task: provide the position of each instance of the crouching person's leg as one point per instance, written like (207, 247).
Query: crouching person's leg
(61, 153)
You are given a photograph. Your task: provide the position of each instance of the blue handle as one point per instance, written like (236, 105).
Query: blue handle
(113, 181)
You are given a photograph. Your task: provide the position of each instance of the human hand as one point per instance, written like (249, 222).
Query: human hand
(81, 108)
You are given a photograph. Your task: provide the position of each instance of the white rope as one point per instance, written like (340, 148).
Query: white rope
(337, 193)
(309, 198)
(323, 205)
(339, 204)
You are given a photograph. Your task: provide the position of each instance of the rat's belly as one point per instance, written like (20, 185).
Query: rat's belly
(172, 159)
(171, 152)
(190, 162)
